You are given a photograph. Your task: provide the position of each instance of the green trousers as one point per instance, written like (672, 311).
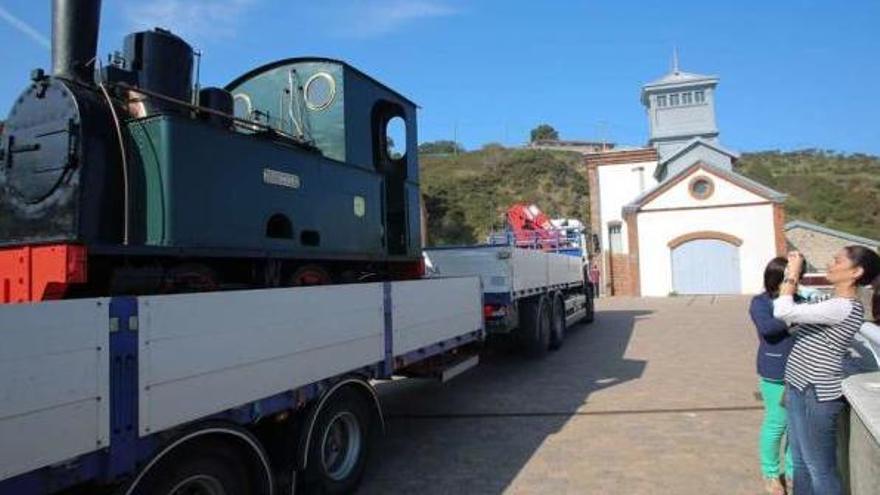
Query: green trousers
(773, 430)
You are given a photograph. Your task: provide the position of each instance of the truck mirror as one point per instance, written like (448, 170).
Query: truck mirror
(595, 239)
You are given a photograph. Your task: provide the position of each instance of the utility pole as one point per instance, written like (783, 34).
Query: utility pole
(601, 131)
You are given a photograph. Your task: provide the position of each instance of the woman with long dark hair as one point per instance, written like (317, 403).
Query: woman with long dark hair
(814, 371)
(774, 345)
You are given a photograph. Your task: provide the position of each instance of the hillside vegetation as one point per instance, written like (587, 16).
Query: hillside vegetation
(467, 193)
(835, 190)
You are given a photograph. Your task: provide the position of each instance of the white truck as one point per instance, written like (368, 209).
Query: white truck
(226, 393)
(532, 295)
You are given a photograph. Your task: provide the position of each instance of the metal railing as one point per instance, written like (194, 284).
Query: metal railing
(554, 240)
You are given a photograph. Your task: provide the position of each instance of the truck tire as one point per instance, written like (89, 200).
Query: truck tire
(534, 330)
(205, 468)
(591, 307)
(340, 445)
(557, 323)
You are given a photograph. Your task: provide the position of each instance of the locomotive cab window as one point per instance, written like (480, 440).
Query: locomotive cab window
(395, 138)
(242, 106)
(320, 90)
(389, 138)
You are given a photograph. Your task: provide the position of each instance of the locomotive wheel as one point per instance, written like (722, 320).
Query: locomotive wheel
(192, 277)
(308, 275)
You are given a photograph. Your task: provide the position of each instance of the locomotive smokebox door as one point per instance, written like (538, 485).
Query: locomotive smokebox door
(41, 137)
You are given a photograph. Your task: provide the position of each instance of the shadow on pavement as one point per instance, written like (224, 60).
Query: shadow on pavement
(475, 434)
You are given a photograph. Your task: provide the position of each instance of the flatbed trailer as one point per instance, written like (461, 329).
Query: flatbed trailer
(532, 295)
(238, 392)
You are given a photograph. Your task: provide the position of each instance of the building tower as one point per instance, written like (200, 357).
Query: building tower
(681, 107)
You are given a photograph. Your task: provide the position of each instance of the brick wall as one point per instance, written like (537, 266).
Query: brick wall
(595, 223)
(623, 275)
(779, 229)
(632, 227)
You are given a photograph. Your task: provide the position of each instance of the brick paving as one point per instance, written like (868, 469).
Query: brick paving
(656, 397)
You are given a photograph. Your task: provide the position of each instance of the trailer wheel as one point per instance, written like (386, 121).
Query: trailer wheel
(557, 325)
(204, 468)
(340, 444)
(535, 325)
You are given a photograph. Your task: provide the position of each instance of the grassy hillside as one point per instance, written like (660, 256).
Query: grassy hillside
(466, 194)
(836, 190)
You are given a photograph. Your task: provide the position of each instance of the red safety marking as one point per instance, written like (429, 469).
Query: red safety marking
(40, 273)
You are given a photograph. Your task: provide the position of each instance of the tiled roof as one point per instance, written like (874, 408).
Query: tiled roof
(661, 169)
(614, 157)
(693, 143)
(835, 233)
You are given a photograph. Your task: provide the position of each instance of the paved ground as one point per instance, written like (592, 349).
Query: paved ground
(656, 396)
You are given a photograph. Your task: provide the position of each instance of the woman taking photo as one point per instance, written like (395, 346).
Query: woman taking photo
(823, 333)
(774, 346)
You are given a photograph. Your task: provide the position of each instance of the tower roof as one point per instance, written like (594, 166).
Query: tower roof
(676, 78)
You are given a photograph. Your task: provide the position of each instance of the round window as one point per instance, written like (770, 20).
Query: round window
(701, 187)
(395, 138)
(319, 91)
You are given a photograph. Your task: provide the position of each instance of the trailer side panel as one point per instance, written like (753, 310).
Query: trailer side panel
(244, 346)
(54, 395)
(426, 312)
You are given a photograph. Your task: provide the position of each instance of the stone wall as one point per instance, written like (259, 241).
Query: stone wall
(818, 248)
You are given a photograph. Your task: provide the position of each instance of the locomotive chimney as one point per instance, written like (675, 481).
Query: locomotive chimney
(75, 38)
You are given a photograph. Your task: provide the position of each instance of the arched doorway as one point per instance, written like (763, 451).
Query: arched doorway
(706, 266)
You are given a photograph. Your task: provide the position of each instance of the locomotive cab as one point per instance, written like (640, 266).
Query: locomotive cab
(351, 118)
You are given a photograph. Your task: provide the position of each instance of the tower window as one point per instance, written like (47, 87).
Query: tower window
(699, 96)
(673, 100)
(686, 98)
(661, 100)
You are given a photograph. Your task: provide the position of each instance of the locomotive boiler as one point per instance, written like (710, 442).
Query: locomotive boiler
(126, 177)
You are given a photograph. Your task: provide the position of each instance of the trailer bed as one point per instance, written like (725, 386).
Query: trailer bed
(507, 270)
(75, 372)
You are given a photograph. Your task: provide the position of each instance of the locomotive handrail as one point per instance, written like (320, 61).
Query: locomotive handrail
(211, 111)
(126, 187)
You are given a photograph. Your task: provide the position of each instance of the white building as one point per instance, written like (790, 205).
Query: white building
(673, 217)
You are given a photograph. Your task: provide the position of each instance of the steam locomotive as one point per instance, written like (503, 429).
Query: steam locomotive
(129, 178)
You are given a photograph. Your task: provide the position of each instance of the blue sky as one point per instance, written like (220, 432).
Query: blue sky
(794, 74)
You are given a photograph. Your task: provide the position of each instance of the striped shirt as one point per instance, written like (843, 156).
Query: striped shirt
(822, 334)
